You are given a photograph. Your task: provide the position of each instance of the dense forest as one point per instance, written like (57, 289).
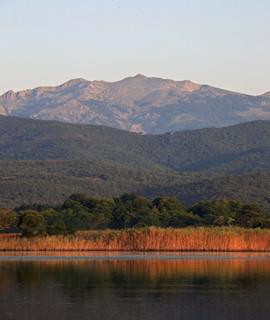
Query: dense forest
(45, 161)
(233, 149)
(84, 212)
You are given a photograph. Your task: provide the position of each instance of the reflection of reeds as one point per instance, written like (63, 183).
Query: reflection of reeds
(187, 268)
(141, 270)
(148, 239)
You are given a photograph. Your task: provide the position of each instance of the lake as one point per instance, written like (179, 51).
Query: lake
(182, 286)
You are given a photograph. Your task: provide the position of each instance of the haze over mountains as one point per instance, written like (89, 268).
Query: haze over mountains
(139, 104)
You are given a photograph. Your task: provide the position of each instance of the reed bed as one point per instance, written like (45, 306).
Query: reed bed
(147, 239)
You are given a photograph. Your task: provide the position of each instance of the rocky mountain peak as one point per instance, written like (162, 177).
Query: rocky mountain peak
(74, 82)
(138, 103)
(9, 95)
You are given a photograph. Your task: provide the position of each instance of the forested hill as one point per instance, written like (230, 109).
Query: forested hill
(44, 162)
(233, 149)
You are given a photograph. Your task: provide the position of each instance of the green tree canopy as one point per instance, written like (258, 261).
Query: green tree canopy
(31, 223)
(250, 216)
(174, 214)
(8, 219)
(217, 212)
(133, 211)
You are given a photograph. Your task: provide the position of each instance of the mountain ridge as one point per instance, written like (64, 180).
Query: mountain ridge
(139, 104)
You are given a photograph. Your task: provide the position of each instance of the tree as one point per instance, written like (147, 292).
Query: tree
(133, 211)
(96, 212)
(31, 223)
(250, 216)
(54, 222)
(217, 212)
(173, 214)
(8, 219)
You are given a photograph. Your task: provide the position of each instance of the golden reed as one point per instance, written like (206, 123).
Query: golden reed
(147, 239)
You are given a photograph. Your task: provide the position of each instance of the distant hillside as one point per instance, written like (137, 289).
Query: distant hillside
(249, 188)
(239, 148)
(45, 161)
(140, 104)
(51, 182)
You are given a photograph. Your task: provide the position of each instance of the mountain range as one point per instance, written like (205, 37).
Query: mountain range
(138, 104)
(45, 161)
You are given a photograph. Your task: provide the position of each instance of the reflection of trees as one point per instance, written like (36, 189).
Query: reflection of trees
(77, 276)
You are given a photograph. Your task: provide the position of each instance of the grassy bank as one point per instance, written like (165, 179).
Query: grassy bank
(147, 239)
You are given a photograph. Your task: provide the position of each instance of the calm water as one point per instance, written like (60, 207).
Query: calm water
(150, 286)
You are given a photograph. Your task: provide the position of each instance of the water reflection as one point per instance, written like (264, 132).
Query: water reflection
(185, 287)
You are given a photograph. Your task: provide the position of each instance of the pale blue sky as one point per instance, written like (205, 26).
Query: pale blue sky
(220, 42)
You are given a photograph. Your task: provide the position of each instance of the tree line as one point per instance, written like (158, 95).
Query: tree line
(84, 212)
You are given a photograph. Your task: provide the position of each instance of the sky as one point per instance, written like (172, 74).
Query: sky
(217, 42)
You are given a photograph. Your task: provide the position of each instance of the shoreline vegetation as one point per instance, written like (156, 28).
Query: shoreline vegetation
(215, 239)
(135, 223)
